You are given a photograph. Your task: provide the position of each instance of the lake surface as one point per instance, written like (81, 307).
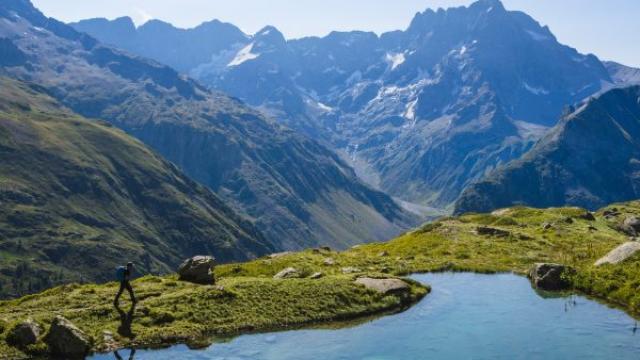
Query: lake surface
(467, 316)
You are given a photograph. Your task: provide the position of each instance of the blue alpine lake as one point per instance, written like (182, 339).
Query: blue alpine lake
(466, 316)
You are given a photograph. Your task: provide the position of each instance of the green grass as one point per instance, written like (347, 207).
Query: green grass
(172, 311)
(247, 299)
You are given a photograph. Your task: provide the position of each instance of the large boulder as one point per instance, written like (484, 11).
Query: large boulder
(288, 273)
(198, 269)
(620, 254)
(550, 276)
(631, 225)
(66, 340)
(384, 286)
(24, 334)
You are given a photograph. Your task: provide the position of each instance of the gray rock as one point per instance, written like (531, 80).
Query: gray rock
(383, 254)
(288, 273)
(24, 334)
(198, 269)
(316, 276)
(280, 254)
(66, 340)
(631, 225)
(329, 262)
(549, 276)
(384, 286)
(620, 254)
(350, 270)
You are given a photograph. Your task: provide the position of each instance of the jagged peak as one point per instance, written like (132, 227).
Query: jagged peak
(488, 5)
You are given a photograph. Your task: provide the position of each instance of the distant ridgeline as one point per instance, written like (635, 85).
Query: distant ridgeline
(421, 113)
(79, 197)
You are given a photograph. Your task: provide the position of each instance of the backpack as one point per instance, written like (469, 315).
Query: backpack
(120, 273)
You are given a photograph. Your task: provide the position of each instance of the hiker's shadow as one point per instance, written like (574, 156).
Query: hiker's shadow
(126, 319)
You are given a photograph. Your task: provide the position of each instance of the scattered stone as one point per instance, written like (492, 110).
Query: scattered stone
(546, 226)
(613, 212)
(329, 262)
(350, 270)
(592, 228)
(66, 340)
(568, 220)
(631, 225)
(587, 216)
(326, 248)
(489, 231)
(385, 270)
(288, 273)
(525, 237)
(315, 251)
(384, 286)
(383, 254)
(198, 270)
(549, 276)
(620, 254)
(24, 334)
(316, 276)
(280, 254)
(356, 246)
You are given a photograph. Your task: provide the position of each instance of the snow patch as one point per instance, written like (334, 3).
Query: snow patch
(395, 60)
(490, 9)
(463, 50)
(243, 56)
(537, 36)
(535, 90)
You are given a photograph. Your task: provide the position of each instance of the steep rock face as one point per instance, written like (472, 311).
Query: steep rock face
(78, 197)
(420, 113)
(299, 193)
(591, 158)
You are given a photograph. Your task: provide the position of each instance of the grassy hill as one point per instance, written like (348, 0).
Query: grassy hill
(248, 299)
(78, 197)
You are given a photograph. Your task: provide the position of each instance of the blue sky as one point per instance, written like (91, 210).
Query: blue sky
(607, 28)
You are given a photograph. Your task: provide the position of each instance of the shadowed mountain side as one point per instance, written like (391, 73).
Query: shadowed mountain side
(591, 158)
(78, 197)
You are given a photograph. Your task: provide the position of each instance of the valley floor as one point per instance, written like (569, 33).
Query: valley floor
(248, 299)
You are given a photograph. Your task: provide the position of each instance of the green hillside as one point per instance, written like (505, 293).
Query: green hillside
(78, 197)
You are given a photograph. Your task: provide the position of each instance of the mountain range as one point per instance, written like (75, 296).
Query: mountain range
(298, 193)
(420, 113)
(591, 158)
(79, 197)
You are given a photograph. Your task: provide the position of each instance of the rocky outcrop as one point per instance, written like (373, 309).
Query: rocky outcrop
(489, 231)
(620, 254)
(384, 286)
(631, 225)
(198, 270)
(288, 273)
(24, 334)
(67, 341)
(550, 277)
(316, 276)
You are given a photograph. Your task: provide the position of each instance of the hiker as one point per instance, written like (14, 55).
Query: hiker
(123, 274)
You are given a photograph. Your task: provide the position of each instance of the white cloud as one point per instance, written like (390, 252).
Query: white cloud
(142, 16)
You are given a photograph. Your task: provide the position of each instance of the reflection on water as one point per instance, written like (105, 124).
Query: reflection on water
(126, 319)
(467, 316)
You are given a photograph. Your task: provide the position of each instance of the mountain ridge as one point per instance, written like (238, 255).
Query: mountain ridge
(398, 105)
(299, 193)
